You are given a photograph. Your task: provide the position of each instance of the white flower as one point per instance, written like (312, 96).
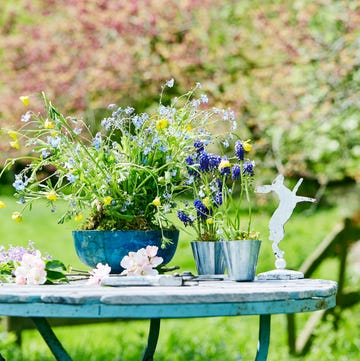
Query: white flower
(170, 83)
(98, 273)
(141, 263)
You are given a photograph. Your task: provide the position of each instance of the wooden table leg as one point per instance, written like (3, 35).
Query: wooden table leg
(50, 338)
(264, 338)
(152, 339)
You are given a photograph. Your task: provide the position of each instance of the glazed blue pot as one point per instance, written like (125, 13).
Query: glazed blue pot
(93, 246)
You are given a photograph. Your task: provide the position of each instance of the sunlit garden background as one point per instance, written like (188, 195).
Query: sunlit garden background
(289, 69)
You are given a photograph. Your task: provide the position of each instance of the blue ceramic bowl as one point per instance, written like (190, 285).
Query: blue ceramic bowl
(93, 247)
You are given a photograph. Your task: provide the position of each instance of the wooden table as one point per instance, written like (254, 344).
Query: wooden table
(205, 299)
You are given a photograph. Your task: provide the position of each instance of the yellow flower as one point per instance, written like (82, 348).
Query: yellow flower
(225, 163)
(188, 127)
(107, 200)
(162, 124)
(2, 204)
(51, 196)
(15, 144)
(13, 135)
(156, 202)
(247, 146)
(206, 202)
(16, 216)
(48, 124)
(25, 100)
(209, 221)
(79, 217)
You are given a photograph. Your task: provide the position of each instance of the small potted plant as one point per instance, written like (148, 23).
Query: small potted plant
(119, 182)
(220, 184)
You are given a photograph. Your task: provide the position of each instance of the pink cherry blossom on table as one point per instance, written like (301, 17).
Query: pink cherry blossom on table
(98, 273)
(141, 263)
(31, 270)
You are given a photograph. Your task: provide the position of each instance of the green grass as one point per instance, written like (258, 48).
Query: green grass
(192, 339)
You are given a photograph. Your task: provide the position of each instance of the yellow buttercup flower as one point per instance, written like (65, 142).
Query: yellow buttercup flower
(79, 217)
(25, 100)
(156, 202)
(16, 216)
(162, 124)
(2, 204)
(107, 200)
(225, 163)
(15, 144)
(51, 196)
(206, 202)
(48, 124)
(247, 146)
(13, 135)
(209, 221)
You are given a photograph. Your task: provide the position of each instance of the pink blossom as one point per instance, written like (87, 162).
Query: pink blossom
(31, 270)
(141, 263)
(98, 273)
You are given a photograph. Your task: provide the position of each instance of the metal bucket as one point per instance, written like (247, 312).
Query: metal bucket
(241, 258)
(209, 257)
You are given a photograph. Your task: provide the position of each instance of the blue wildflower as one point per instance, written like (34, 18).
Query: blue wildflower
(239, 150)
(71, 178)
(54, 141)
(204, 98)
(235, 172)
(97, 141)
(202, 211)
(199, 146)
(26, 117)
(214, 161)
(248, 168)
(218, 199)
(185, 218)
(129, 110)
(19, 183)
(204, 165)
(189, 160)
(137, 121)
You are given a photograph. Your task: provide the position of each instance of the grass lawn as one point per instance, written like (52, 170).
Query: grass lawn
(196, 339)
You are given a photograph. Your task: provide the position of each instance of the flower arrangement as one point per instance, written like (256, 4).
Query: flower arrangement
(126, 175)
(219, 185)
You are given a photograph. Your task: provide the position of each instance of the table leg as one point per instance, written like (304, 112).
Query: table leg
(264, 338)
(50, 338)
(152, 339)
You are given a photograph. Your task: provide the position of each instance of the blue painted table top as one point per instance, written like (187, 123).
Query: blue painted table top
(208, 299)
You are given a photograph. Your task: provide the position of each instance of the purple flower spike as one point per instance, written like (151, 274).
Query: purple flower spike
(235, 172)
(201, 210)
(185, 218)
(239, 150)
(248, 168)
(199, 145)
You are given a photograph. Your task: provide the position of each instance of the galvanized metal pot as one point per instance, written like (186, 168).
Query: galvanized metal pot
(241, 258)
(209, 257)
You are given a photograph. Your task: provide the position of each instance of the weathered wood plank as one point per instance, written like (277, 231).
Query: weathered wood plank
(205, 292)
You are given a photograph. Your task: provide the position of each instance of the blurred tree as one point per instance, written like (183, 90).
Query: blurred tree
(290, 69)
